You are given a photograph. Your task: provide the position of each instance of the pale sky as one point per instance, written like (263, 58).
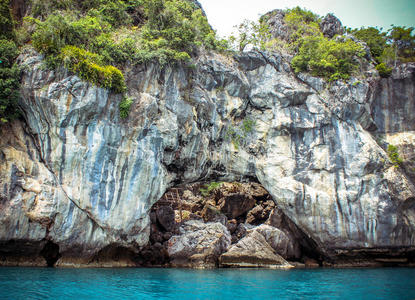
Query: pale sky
(224, 14)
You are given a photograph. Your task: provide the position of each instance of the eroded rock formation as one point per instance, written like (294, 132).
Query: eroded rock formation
(76, 175)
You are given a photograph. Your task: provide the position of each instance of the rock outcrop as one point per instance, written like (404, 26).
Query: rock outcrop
(76, 177)
(199, 245)
(253, 251)
(330, 25)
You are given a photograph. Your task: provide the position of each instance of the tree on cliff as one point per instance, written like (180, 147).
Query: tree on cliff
(9, 72)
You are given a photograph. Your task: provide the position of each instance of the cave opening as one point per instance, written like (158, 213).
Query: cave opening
(239, 206)
(50, 253)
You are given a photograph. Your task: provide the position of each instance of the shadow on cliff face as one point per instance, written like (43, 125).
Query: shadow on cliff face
(50, 253)
(114, 256)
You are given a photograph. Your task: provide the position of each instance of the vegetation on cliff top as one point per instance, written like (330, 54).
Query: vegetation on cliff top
(333, 58)
(97, 39)
(9, 71)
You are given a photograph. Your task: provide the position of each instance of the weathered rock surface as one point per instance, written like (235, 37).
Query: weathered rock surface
(166, 218)
(199, 245)
(330, 25)
(279, 241)
(253, 251)
(81, 178)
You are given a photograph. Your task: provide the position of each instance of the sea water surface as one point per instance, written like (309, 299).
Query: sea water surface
(49, 283)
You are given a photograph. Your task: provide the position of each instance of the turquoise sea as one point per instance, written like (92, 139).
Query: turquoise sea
(232, 284)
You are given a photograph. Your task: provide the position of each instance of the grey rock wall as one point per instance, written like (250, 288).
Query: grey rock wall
(249, 117)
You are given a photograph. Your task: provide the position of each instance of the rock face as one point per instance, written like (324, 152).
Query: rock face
(199, 245)
(253, 251)
(77, 176)
(282, 244)
(330, 25)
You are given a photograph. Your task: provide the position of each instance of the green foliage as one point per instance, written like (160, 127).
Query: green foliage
(240, 133)
(174, 29)
(110, 11)
(208, 188)
(234, 136)
(301, 23)
(115, 52)
(59, 30)
(6, 22)
(248, 125)
(326, 58)
(374, 38)
(89, 67)
(250, 33)
(388, 48)
(9, 81)
(403, 41)
(9, 71)
(384, 70)
(394, 155)
(125, 106)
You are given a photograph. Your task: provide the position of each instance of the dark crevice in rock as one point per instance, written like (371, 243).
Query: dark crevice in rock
(115, 254)
(50, 253)
(308, 247)
(380, 257)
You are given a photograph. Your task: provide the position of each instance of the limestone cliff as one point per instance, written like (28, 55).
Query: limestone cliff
(77, 181)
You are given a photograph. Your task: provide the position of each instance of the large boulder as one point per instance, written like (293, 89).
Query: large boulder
(199, 245)
(212, 214)
(282, 244)
(166, 217)
(235, 205)
(253, 251)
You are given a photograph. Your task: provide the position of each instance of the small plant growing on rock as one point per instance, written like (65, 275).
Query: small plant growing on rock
(384, 70)
(394, 155)
(208, 188)
(125, 106)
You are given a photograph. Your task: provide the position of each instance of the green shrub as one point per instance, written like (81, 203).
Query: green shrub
(125, 106)
(250, 33)
(174, 29)
(384, 70)
(112, 12)
(208, 188)
(59, 30)
(394, 155)
(9, 71)
(403, 41)
(301, 23)
(330, 59)
(248, 125)
(6, 22)
(374, 38)
(9, 81)
(88, 66)
(115, 52)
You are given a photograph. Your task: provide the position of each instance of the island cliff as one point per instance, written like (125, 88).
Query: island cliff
(78, 182)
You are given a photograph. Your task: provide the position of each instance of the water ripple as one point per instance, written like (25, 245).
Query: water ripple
(39, 283)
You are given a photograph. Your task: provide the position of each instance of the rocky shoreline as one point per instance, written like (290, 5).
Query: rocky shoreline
(222, 225)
